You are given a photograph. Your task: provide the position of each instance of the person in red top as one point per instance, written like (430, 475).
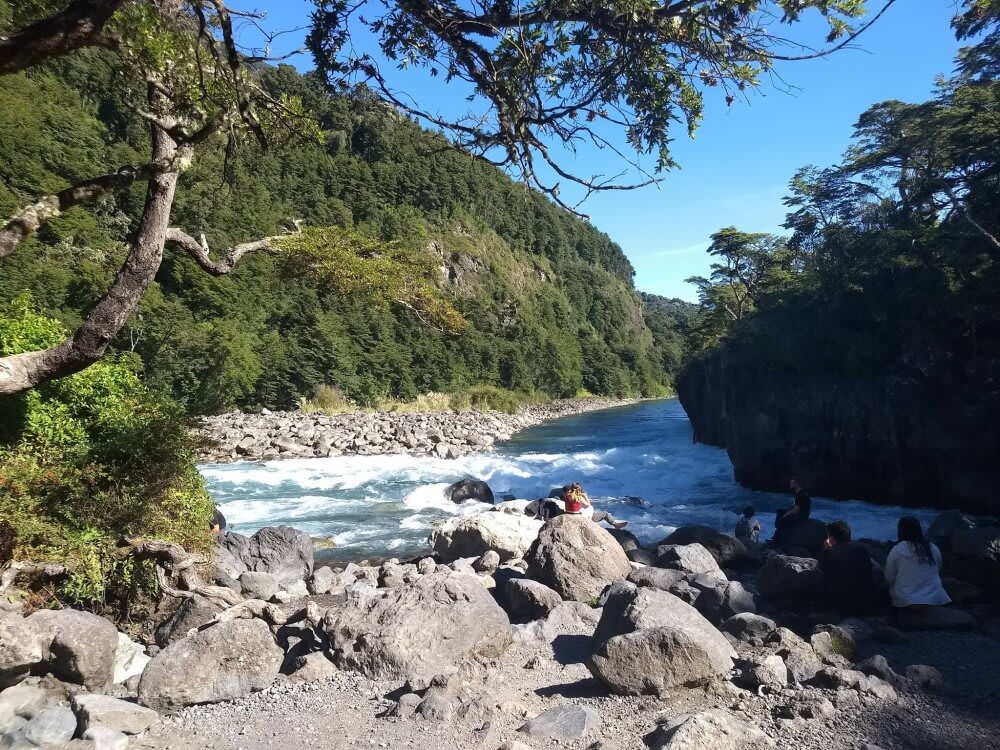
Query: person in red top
(575, 501)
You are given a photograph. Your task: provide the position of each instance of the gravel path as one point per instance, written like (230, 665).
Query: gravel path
(346, 710)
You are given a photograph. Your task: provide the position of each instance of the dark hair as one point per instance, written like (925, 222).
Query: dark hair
(909, 530)
(749, 512)
(839, 531)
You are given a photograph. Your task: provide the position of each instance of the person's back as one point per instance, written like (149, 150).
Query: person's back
(848, 577)
(913, 579)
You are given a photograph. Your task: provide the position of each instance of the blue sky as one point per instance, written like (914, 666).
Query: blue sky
(736, 170)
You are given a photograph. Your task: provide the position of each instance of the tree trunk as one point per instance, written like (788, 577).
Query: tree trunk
(87, 344)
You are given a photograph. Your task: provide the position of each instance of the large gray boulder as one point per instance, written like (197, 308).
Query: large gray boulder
(714, 729)
(577, 558)
(428, 628)
(232, 551)
(507, 534)
(724, 548)
(21, 649)
(51, 726)
(529, 600)
(648, 641)
(470, 489)
(722, 600)
(946, 524)
(282, 551)
(803, 538)
(656, 578)
(975, 556)
(80, 646)
(791, 579)
(565, 722)
(196, 610)
(692, 559)
(226, 661)
(95, 710)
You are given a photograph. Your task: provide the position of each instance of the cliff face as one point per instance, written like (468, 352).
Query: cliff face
(892, 439)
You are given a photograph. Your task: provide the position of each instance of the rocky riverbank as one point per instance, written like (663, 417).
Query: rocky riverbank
(514, 635)
(272, 435)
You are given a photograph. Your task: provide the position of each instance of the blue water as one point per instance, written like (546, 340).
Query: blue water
(638, 462)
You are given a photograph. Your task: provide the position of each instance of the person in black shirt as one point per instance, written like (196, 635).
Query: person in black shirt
(847, 570)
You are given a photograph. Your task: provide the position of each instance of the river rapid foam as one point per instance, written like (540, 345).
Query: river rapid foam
(638, 462)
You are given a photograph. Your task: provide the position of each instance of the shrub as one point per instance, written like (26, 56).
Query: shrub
(487, 398)
(88, 459)
(424, 403)
(328, 400)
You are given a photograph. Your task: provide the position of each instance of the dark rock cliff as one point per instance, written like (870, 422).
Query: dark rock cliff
(894, 440)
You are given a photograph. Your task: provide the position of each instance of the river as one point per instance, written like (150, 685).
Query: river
(638, 462)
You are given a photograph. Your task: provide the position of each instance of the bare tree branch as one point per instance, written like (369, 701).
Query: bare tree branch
(199, 250)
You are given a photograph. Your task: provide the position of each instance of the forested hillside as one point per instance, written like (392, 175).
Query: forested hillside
(544, 301)
(862, 352)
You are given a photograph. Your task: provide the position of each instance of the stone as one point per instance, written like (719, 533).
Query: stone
(21, 649)
(946, 524)
(726, 549)
(800, 659)
(530, 600)
(297, 590)
(426, 566)
(768, 671)
(406, 706)
(105, 738)
(256, 585)
(313, 667)
(804, 537)
(487, 563)
(795, 580)
(96, 710)
(577, 558)
(936, 618)
(975, 556)
(723, 600)
(835, 646)
(808, 707)
(323, 581)
(436, 705)
(284, 552)
(747, 625)
(878, 688)
(835, 678)
(81, 646)
(878, 666)
(889, 634)
(713, 729)
(470, 489)
(192, 613)
(428, 628)
(24, 700)
(690, 558)
(628, 541)
(130, 659)
(226, 661)
(51, 726)
(232, 551)
(648, 641)
(656, 578)
(510, 536)
(923, 676)
(565, 722)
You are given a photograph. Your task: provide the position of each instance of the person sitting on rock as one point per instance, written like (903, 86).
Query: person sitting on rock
(847, 570)
(913, 570)
(748, 527)
(799, 511)
(576, 501)
(217, 524)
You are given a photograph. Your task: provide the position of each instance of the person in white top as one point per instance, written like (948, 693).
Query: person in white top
(913, 569)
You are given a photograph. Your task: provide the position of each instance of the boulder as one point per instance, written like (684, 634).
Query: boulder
(256, 585)
(324, 581)
(975, 556)
(629, 541)
(790, 579)
(284, 552)
(714, 729)
(764, 671)
(104, 738)
(232, 551)
(428, 628)
(470, 489)
(923, 676)
(800, 659)
(313, 667)
(23, 700)
(51, 726)
(509, 535)
(196, 610)
(747, 625)
(723, 600)
(936, 618)
(487, 563)
(21, 649)
(130, 659)
(529, 600)
(805, 537)
(656, 578)
(946, 524)
(95, 710)
(225, 661)
(81, 646)
(577, 558)
(565, 722)
(648, 641)
(726, 549)
(692, 559)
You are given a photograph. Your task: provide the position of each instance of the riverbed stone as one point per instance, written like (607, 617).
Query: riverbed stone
(726, 549)
(21, 649)
(51, 726)
(81, 648)
(565, 722)
(96, 710)
(692, 559)
(507, 534)
(714, 729)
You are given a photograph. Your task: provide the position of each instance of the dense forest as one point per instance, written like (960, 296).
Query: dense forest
(862, 351)
(539, 300)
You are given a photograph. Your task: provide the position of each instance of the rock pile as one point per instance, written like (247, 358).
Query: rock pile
(271, 435)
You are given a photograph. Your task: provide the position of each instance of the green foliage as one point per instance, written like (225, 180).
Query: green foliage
(488, 398)
(90, 458)
(419, 269)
